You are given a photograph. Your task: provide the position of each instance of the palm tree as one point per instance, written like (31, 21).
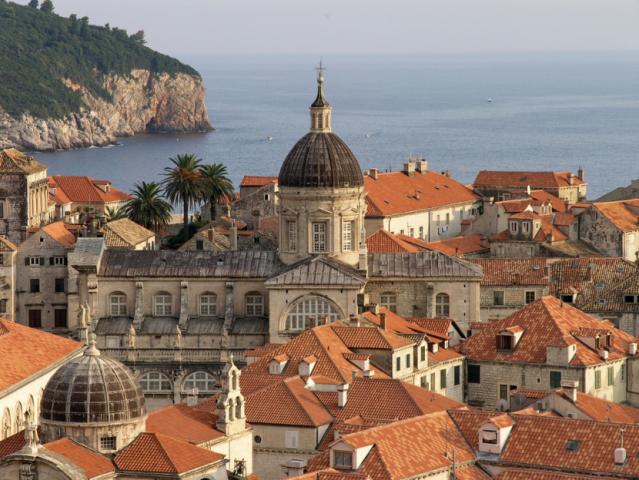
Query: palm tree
(112, 213)
(216, 184)
(147, 207)
(183, 183)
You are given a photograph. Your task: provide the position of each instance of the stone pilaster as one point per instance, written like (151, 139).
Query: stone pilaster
(184, 304)
(138, 316)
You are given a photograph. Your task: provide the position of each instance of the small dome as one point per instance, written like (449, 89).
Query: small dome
(320, 159)
(92, 388)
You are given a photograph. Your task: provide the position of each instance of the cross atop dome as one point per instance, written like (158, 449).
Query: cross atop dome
(320, 108)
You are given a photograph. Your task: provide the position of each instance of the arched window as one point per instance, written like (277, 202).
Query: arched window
(389, 300)
(208, 304)
(117, 304)
(6, 423)
(238, 408)
(310, 307)
(442, 305)
(204, 382)
(31, 408)
(163, 304)
(156, 382)
(19, 417)
(233, 381)
(254, 302)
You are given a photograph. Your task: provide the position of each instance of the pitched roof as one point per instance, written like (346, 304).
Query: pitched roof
(558, 205)
(161, 454)
(91, 462)
(257, 181)
(621, 193)
(83, 189)
(385, 242)
(7, 245)
(184, 423)
(318, 270)
(395, 193)
(538, 474)
(27, 351)
(420, 265)
(463, 245)
(370, 338)
(623, 214)
(603, 410)
(513, 179)
(512, 271)
(546, 322)
(125, 233)
(58, 232)
(14, 161)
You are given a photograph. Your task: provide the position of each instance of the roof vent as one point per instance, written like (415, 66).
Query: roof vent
(620, 456)
(573, 445)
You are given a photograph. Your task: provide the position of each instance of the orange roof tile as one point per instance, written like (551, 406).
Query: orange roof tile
(27, 351)
(513, 179)
(82, 189)
(371, 338)
(558, 205)
(537, 474)
(12, 444)
(184, 423)
(7, 245)
(395, 192)
(257, 181)
(512, 271)
(161, 454)
(385, 242)
(623, 214)
(604, 410)
(58, 232)
(93, 463)
(467, 245)
(547, 322)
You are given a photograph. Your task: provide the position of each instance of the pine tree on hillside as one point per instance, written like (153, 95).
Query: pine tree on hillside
(47, 6)
(34, 3)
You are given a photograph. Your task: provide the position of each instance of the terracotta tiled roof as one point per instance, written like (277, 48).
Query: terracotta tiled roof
(471, 244)
(14, 161)
(513, 271)
(125, 233)
(558, 205)
(623, 214)
(437, 326)
(58, 232)
(536, 180)
(91, 462)
(395, 193)
(547, 322)
(536, 474)
(563, 219)
(549, 231)
(12, 444)
(82, 189)
(287, 402)
(7, 245)
(184, 423)
(161, 454)
(385, 242)
(257, 181)
(370, 338)
(27, 351)
(603, 410)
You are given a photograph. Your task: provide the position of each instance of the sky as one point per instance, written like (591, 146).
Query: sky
(232, 27)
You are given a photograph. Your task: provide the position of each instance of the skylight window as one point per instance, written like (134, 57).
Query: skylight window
(573, 445)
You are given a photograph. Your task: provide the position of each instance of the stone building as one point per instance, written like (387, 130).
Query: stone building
(7, 278)
(544, 344)
(23, 194)
(125, 233)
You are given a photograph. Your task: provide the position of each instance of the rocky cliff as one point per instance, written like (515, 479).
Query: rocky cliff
(140, 102)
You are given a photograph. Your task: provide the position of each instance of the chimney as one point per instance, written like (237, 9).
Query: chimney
(210, 234)
(354, 320)
(295, 467)
(571, 179)
(409, 168)
(369, 373)
(620, 456)
(580, 173)
(382, 321)
(353, 375)
(373, 173)
(233, 236)
(342, 395)
(632, 349)
(571, 387)
(374, 308)
(422, 166)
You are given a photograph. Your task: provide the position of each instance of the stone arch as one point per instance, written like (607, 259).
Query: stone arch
(156, 382)
(312, 305)
(239, 408)
(6, 424)
(233, 386)
(19, 417)
(203, 381)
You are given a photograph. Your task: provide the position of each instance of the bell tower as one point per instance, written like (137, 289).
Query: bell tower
(230, 409)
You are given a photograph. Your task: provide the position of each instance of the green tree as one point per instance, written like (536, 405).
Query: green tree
(147, 207)
(34, 3)
(138, 37)
(112, 213)
(183, 182)
(216, 184)
(47, 6)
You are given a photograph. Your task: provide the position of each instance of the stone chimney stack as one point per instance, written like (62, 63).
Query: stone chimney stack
(409, 168)
(571, 387)
(354, 321)
(580, 173)
(382, 321)
(373, 173)
(342, 395)
(422, 166)
(233, 236)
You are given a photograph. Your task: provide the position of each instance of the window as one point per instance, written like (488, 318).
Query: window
(155, 382)
(442, 378)
(555, 379)
(525, 226)
(60, 318)
(199, 244)
(107, 443)
(57, 261)
(203, 382)
(257, 439)
(432, 382)
(34, 261)
(421, 232)
(611, 376)
(59, 285)
(423, 382)
(530, 297)
(503, 392)
(347, 236)
(319, 237)
(597, 378)
(34, 285)
(498, 297)
(457, 375)
(343, 459)
(389, 300)
(316, 308)
(117, 304)
(631, 298)
(3, 305)
(489, 436)
(513, 227)
(290, 439)
(398, 364)
(35, 318)
(422, 353)
(567, 298)
(442, 305)
(2, 209)
(408, 360)
(412, 232)
(1, 258)
(474, 374)
(162, 305)
(291, 230)
(254, 304)
(208, 304)
(505, 342)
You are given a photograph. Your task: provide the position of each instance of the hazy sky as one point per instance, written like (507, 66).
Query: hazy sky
(369, 26)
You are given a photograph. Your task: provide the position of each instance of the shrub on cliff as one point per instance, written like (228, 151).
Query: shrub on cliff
(38, 49)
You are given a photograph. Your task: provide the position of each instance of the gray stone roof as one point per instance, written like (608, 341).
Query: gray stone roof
(87, 253)
(165, 263)
(318, 271)
(621, 193)
(420, 265)
(113, 326)
(205, 326)
(249, 326)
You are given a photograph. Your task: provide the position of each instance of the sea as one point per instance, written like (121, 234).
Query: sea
(462, 112)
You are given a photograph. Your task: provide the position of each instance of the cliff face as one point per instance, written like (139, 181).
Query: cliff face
(141, 102)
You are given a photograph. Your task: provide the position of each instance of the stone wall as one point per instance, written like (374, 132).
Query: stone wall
(514, 299)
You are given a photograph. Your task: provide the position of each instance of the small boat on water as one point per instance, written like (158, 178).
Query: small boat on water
(269, 139)
(489, 100)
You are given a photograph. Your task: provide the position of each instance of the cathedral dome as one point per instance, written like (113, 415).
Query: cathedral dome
(92, 388)
(320, 159)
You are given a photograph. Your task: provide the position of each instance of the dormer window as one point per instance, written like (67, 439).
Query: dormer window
(631, 299)
(513, 227)
(343, 460)
(488, 436)
(525, 226)
(567, 298)
(505, 342)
